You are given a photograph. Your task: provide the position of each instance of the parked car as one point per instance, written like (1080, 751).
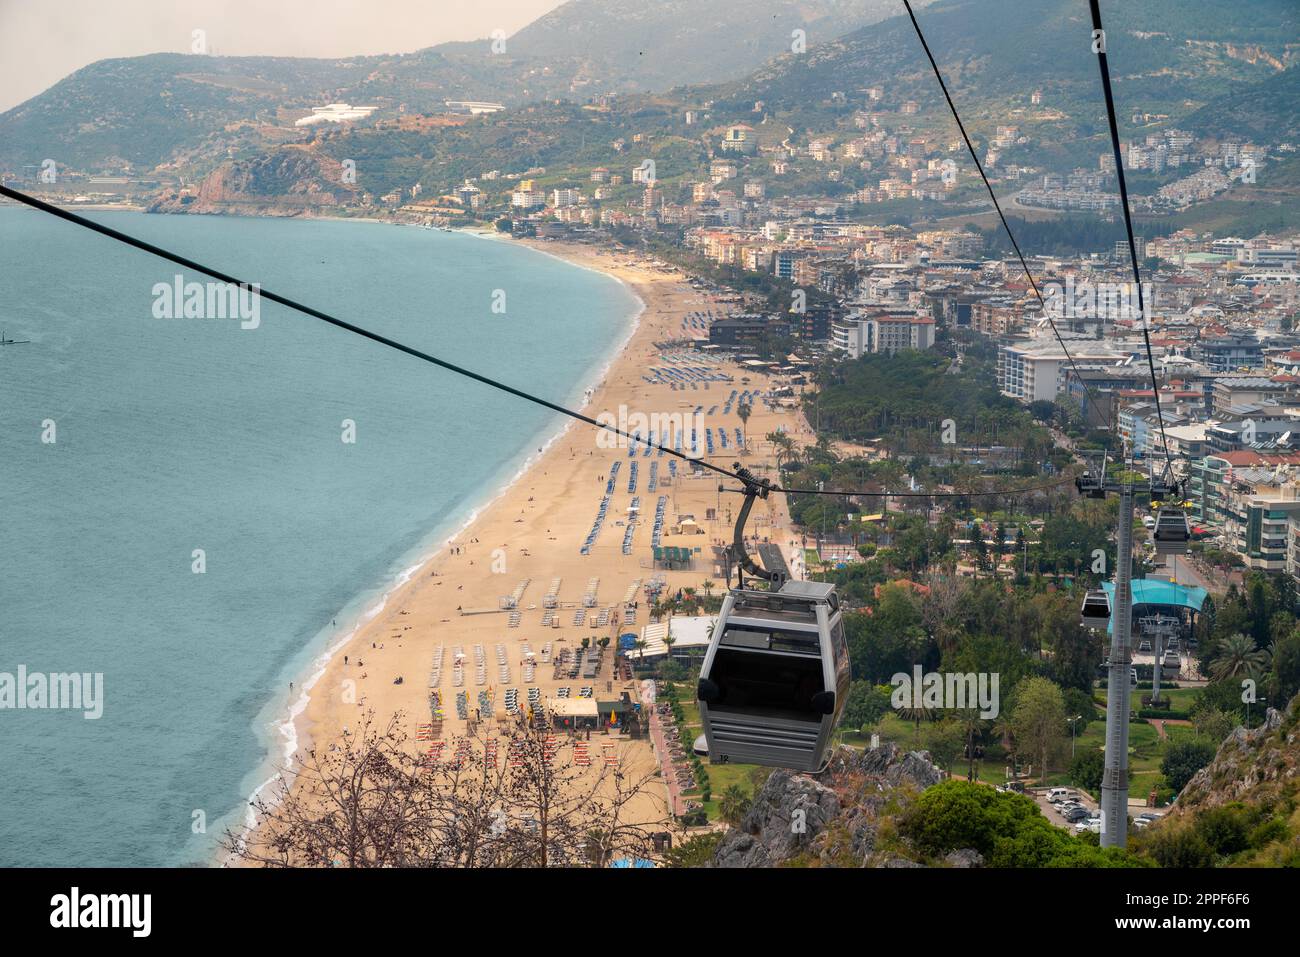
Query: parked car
(1056, 795)
(1075, 813)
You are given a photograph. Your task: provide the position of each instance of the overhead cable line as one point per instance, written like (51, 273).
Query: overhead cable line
(1033, 284)
(1099, 41)
(460, 370)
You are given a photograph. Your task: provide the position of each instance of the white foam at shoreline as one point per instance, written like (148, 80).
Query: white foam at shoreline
(286, 728)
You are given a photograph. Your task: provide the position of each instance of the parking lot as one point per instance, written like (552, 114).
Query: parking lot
(1053, 811)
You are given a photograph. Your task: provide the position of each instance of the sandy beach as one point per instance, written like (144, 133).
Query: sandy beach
(535, 531)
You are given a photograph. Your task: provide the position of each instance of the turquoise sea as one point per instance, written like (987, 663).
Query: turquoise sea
(172, 435)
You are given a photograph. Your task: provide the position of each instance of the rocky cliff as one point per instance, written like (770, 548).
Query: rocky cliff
(285, 182)
(840, 818)
(1259, 765)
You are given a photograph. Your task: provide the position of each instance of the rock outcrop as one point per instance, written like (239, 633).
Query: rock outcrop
(788, 813)
(285, 182)
(832, 819)
(1256, 764)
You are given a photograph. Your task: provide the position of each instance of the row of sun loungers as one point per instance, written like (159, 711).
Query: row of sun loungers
(464, 754)
(512, 600)
(589, 596)
(657, 530)
(601, 511)
(552, 598)
(435, 670)
(685, 375)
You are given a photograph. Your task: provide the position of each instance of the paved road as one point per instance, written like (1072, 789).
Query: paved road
(1183, 573)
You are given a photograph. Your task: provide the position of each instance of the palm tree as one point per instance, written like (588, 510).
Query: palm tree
(1238, 657)
(640, 650)
(734, 804)
(708, 585)
(916, 716)
(743, 410)
(972, 725)
(1003, 729)
(784, 446)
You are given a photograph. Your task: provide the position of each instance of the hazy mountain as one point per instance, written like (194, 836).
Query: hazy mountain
(633, 44)
(1268, 109)
(1166, 56)
(146, 110)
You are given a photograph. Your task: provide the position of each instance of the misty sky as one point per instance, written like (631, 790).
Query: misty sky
(41, 42)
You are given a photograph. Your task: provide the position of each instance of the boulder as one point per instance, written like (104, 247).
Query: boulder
(787, 814)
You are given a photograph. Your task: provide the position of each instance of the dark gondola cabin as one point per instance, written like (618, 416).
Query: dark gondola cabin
(1096, 610)
(775, 678)
(1171, 533)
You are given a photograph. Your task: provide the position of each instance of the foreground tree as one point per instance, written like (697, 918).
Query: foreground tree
(374, 801)
(1038, 720)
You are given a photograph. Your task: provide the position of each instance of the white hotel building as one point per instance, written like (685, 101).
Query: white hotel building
(884, 329)
(1036, 371)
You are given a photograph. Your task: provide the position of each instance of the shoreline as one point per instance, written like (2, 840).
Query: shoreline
(286, 730)
(554, 493)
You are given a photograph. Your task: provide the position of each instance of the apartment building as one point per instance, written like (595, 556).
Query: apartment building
(882, 329)
(1035, 370)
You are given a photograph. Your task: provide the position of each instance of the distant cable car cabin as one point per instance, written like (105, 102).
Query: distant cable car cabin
(1096, 610)
(1171, 533)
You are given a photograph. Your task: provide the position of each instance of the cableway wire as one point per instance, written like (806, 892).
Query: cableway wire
(1128, 224)
(970, 148)
(314, 313)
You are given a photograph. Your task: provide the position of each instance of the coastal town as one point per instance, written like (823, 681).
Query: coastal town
(998, 426)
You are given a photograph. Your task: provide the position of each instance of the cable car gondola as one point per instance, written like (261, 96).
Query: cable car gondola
(776, 676)
(1096, 610)
(1171, 533)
